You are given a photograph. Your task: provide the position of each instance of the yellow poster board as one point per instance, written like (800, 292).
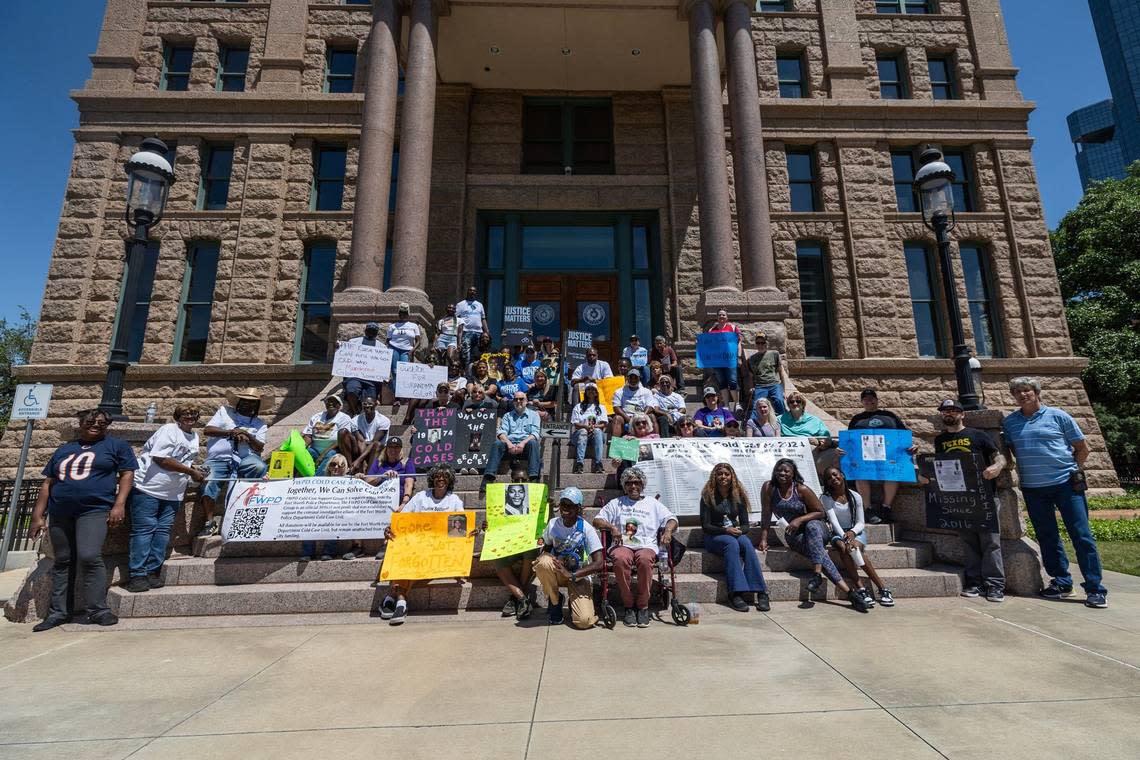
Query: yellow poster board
(606, 388)
(511, 533)
(281, 465)
(429, 545)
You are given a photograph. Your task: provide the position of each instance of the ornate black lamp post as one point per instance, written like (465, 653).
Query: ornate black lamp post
(150, 177)
(934, 184)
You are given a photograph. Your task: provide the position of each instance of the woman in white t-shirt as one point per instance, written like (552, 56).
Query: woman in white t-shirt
(403, 338)
(844, 510)
(160, 483)
(328, 433)
(440, 497)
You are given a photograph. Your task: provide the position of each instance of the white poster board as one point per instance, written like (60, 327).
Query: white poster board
(363, 362)
(418, 380)
(680, 467)
(308, 509)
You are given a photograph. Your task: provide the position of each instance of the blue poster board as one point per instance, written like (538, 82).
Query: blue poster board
(718, 349)
(877, 455)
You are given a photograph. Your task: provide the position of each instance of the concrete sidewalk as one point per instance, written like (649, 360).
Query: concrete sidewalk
(952, 678)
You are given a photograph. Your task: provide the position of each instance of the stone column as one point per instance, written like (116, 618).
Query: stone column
(413, 189)
(113, 64)
(757, 258)
(284, 59)
(377, 134)
(842, 50)
(712, 173)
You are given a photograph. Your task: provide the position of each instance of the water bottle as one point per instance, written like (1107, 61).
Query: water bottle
(694, 610)
(151, 411)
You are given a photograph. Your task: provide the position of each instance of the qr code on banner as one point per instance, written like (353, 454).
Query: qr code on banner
(248, 522)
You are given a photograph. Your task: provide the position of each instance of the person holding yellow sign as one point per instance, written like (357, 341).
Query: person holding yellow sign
(440, 497)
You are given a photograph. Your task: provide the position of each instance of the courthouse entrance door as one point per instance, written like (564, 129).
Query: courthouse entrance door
(574, 302)
(598, 272)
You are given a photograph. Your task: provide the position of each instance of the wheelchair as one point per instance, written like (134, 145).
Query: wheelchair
(663, 592)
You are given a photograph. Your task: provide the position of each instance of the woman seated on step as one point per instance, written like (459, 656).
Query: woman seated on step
(762, 423)
(844, 509)
(439, 496)
(328, 433)
(590, 421)
(337, 467)
(390, 464)
(724, 523)
(571, 551)
(800, 515)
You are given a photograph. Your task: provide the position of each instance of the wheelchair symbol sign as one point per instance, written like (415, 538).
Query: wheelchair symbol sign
(31, 401)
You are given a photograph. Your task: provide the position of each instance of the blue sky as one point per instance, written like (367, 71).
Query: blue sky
(1053, 43)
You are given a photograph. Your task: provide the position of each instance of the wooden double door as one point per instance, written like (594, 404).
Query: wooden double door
(586, 302)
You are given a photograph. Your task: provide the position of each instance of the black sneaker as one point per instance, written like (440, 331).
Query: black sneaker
(1096, 600)
(154, 580)
(578, 467)
(209, 529)
(387, 608)
(630, 619)
(995, 595)
(511, 607)
(51, 621)
(737, 603)
(554, 613)
(868, 598)
(971, 591)
(763, 601)
(598, 468)
(524, 609)
(399, 616)
(1056, 591)
(886, 515)
(886, 598)
(104, 618)
(857, 601)
(137, 584)
(815, 582)
(643, 617)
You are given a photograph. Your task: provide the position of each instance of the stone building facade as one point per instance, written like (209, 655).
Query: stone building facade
(695, 111)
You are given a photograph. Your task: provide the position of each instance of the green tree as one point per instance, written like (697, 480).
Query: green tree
(15, 347)
(1097, 251)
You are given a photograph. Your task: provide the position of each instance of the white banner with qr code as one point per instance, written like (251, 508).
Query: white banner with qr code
(308, 509)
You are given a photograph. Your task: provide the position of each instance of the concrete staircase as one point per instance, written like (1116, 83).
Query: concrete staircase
(243, 579)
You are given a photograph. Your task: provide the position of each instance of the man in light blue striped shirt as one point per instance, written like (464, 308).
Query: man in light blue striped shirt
(1051, 450)
(518, 436)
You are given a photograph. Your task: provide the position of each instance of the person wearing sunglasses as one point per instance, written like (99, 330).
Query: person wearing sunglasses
(336, 468)
(390, 464)
(85, 489)
(798, 423)
(159, 485)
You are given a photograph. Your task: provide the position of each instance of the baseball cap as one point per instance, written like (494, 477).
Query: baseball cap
(709, 391)
(949, 405)
(868, 393)
(733, 422)
(372, 326)
(334, 397)
(633, 373)
(394, 440)
(573, 495)
(634, 337)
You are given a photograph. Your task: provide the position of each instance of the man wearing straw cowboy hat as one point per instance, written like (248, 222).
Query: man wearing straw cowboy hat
(235, 436)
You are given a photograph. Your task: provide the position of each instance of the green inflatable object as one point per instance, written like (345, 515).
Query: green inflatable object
(302, 460)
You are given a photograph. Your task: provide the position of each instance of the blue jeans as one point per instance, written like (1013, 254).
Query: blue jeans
(251, 467)
(362, 389)
(1041, 502)
(725, 378)
(580, 437)
(741, 565)
(470, 346)
(398, 356)
(531, 452)
(774, 394)
(330, 547)
(151, 521)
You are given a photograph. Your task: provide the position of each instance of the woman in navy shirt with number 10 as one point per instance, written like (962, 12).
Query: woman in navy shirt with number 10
(87, 482)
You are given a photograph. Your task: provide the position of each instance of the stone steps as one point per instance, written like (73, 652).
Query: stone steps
(328, 597)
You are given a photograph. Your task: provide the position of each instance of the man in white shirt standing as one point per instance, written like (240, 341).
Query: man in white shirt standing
(474, 318)
(235, 437)
(628, 400)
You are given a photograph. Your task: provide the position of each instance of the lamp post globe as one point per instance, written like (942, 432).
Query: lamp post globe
(149, 177)
(934, 184)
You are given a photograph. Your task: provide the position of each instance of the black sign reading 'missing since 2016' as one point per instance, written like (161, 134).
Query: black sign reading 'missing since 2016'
(957, 497)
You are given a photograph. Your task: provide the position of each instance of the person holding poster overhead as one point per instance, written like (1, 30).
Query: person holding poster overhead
(639, 526)
(985, 570)
(726, 377)
(800, 515)
(438, 497)
(1051, 450)
(724, 523)
(571, 552)
(874, 418)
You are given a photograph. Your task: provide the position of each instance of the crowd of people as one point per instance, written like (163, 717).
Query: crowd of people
(92, 481)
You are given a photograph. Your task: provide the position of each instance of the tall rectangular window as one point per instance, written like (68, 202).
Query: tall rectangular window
(962, 164)
(340, 69)
(772, 6)
(138, 311)
(176, 60)
(903, 6)
(941, 70)
(216, 168)
(232, 63)
(802, 180)
(575, 134)
(328, 178)
(924, 300)
(197, 302)
(315, 312)
(980, 300)
(902, 168)
(815, 299)
(892, 79)
(790, 72)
